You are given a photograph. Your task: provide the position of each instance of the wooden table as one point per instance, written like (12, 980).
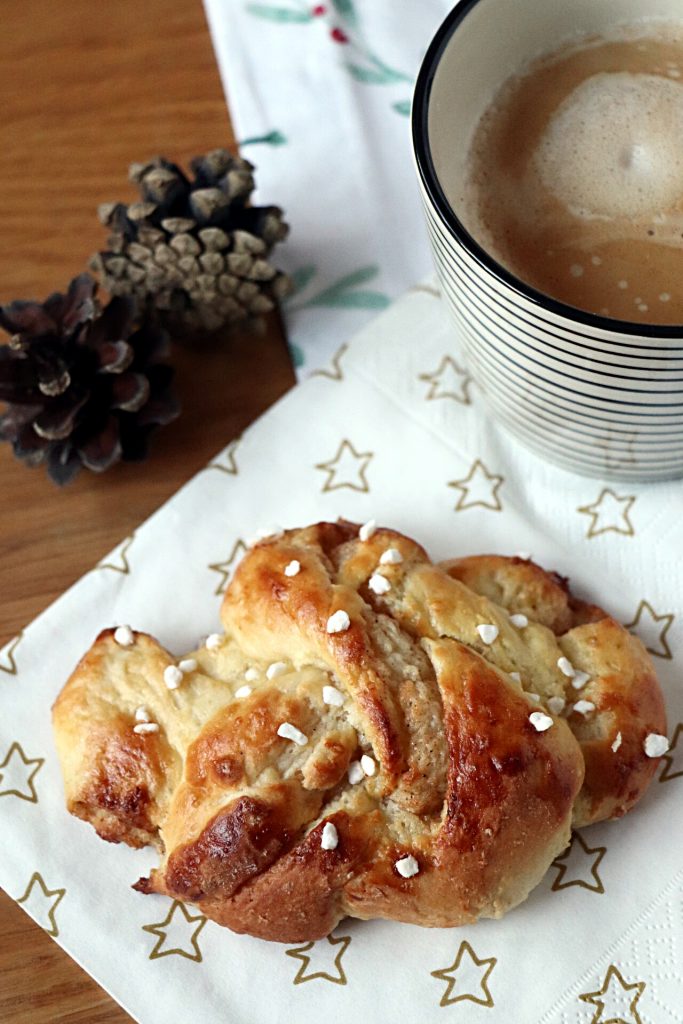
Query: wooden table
(87, 89)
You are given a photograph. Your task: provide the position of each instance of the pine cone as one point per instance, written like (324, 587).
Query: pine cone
(194, 248)
(83, 386)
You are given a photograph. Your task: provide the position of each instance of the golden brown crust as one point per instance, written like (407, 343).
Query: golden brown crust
(463, 782)
(517, 584)
(623, 685)
(114, 778)
(507, 806)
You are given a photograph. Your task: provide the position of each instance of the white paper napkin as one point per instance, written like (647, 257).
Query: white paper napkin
(319, 98)
(392, 429)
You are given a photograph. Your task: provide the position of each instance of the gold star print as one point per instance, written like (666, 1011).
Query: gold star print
(652, 629)
(225, 462)
(467, 977)
(448, 381)
(321, 959)
(670, 769)
(177, 933)
(336, 372)
(225, 569)
(118, 559)
(17, 773)
(578, 865)
(346, 469)
(7, 660)
(479, 489)
(609, 514)
(41, 903)
(616, 1000)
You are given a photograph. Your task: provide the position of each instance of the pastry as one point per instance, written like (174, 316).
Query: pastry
(373, 736)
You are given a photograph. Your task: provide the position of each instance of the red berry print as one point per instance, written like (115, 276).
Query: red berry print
(339, 36)
(318, 10)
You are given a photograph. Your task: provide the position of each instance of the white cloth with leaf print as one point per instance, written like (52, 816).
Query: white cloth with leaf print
(319, 96)
(393, 430)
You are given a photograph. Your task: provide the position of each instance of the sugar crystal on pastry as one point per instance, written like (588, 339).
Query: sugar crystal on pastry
(579, 679)
(329, 839)
(379, 584)
(407, 867)
(276, 669)
(367, 530)
(290, 732)
(338, 622)
(293, 568)
(566, 668)
(124, 636)
(488, 632)
(173, 677)
(333, 696)
(392, 556)
(540, 721)
(519, 621)
(655, 745)
(266, 533)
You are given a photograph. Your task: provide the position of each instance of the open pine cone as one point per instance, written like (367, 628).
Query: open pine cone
(83, 385)
(193, 247)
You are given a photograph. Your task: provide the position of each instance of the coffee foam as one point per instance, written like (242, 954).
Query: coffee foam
(614, 147)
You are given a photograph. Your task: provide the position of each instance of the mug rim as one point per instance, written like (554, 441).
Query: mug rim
(437, 196)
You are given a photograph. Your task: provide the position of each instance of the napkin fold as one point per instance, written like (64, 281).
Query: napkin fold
(392, 429)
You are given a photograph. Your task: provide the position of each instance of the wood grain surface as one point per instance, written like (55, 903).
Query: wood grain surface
(87, 89)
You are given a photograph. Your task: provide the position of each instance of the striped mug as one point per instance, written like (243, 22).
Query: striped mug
(598, 396)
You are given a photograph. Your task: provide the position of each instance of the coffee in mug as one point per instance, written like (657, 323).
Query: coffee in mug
(574, 179)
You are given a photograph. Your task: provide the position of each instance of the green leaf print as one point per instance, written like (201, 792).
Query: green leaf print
(379, 74)
(274, 138)
(353, 300)
(367, 75)
(360, 276)
(342, 294)
(392, 75)
(297, 355)
(280, 14)
(345, 9)
(402, 107)
(301, 277)
(367, 68)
